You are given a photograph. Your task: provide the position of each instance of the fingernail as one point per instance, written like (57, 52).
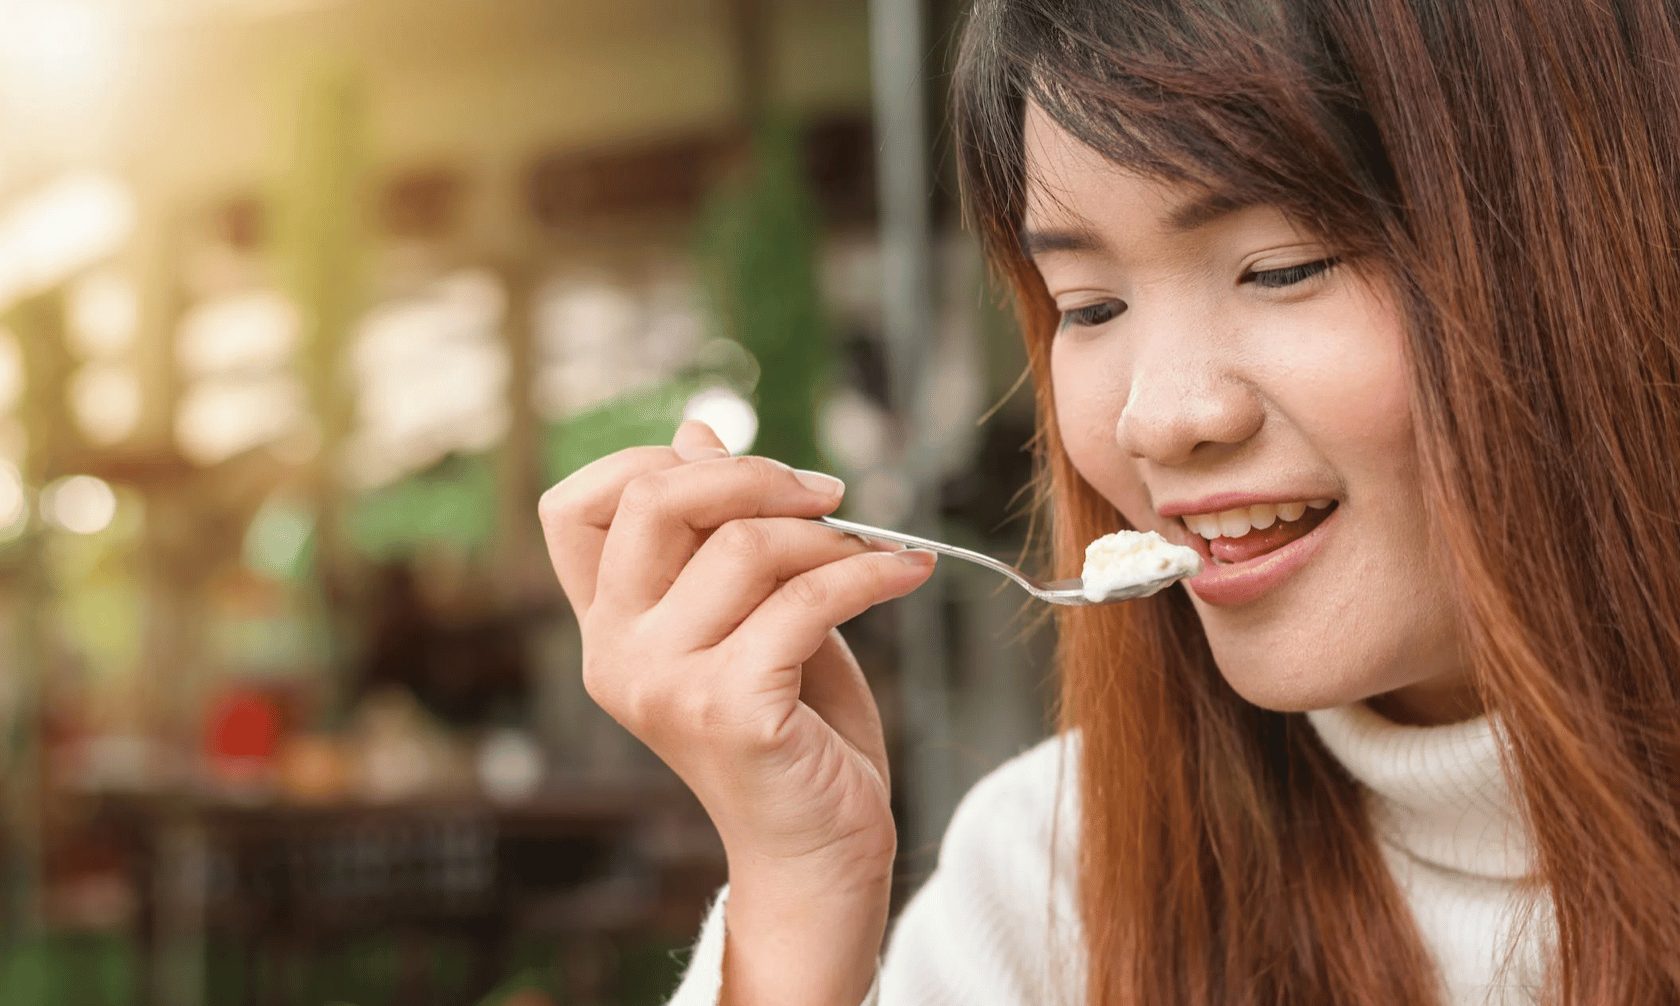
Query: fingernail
(693, 453)
(920, 557)
(828, 485)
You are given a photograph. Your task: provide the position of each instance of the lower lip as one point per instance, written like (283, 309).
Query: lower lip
(1243, 582)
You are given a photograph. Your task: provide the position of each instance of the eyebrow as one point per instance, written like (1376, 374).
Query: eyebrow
(1187, 216)
(1077, 239)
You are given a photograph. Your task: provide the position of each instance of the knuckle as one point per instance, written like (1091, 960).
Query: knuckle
(809, 592)
(603, 661)
(645, 496)
(766, 475)
(743, 540)
(640, 705)
(598, 679)
(634, 699)
(863, 575)
(555, 507)
(702, 712)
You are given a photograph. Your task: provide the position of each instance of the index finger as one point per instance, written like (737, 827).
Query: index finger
(663, 517)
(576, 513)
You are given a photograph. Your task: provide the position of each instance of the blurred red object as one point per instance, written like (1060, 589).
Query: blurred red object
(242, 735)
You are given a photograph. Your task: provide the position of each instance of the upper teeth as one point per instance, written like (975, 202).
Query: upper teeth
(1239, 521)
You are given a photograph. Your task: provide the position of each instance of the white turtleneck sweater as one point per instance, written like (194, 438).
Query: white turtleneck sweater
(996, 922)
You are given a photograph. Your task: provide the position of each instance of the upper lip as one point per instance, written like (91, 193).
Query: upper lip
(1232, 500)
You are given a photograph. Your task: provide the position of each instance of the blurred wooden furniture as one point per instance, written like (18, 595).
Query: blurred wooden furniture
(583, 865)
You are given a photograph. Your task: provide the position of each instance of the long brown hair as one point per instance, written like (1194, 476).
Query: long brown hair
(1512, 168)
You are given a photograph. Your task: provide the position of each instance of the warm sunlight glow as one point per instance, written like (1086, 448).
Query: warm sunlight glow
(58, 57)
(65, 226)
(14, 504)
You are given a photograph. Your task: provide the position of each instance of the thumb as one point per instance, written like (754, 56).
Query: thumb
(696, 441)
(834, 686)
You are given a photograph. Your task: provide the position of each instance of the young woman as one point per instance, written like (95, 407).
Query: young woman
(1373, 303)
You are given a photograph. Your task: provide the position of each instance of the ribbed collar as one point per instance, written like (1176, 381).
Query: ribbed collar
(1438, 793)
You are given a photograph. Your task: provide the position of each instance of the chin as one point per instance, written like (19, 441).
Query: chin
(1289, 691)
(1292, 680)
(1331, 646)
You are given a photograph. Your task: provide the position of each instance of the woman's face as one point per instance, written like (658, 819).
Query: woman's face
(1220, 384)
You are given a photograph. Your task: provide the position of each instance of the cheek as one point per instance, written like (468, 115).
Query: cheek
(1353, 391)
(1090, 391)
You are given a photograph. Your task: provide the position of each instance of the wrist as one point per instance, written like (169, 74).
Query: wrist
(792, 941)
(846, 877)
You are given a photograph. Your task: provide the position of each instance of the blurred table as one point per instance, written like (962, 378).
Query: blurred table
(580, 864)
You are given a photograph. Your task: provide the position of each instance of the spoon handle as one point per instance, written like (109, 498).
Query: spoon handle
(866, 531)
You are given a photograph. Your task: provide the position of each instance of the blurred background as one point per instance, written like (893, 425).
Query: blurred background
(302, 305)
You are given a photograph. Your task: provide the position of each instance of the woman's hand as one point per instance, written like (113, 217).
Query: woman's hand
(708, 606)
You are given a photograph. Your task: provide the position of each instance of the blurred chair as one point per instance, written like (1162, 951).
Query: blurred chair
(585, 867)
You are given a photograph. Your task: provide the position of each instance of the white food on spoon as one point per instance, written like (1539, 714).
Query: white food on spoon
(1126, 558)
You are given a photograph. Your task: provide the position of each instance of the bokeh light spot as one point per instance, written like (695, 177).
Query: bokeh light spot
(729, 415)
(80, 504)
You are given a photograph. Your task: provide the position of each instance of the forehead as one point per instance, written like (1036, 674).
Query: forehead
(1079, 200)
(1068, 183)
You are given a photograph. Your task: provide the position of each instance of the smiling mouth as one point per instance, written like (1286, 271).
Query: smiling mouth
(1233, 536)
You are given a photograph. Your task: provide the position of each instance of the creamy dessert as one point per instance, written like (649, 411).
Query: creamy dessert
(1126, 558)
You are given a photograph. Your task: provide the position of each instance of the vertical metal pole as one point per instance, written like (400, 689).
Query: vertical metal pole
(896, 53)
(519, 461)
(169, 672)
(322, 252)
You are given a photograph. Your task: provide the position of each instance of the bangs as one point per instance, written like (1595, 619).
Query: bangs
(1256, 107)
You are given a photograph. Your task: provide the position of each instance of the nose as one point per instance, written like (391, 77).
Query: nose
(1185, 396)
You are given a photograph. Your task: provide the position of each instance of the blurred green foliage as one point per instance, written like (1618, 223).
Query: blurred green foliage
(453, 503)
(647, 415)
(88, 969)
(321, 237)
(68, 970)
(757, 257)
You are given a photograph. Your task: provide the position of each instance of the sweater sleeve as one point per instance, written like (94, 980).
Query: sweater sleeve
(993, 925)
(996, 922)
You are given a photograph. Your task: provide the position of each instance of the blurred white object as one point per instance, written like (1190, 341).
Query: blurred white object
(432, 375)
(250, 333)
(394, 767)
(398, 752)
(226, 416)
(881, 496)
(855, 431)
(61, 228)
(729, 415)
(510, 765)
(80, 504)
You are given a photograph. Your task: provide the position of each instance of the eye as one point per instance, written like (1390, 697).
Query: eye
(1289, 276)
(1092, 314)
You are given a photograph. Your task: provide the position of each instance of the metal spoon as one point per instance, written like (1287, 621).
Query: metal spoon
(1054, 591)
